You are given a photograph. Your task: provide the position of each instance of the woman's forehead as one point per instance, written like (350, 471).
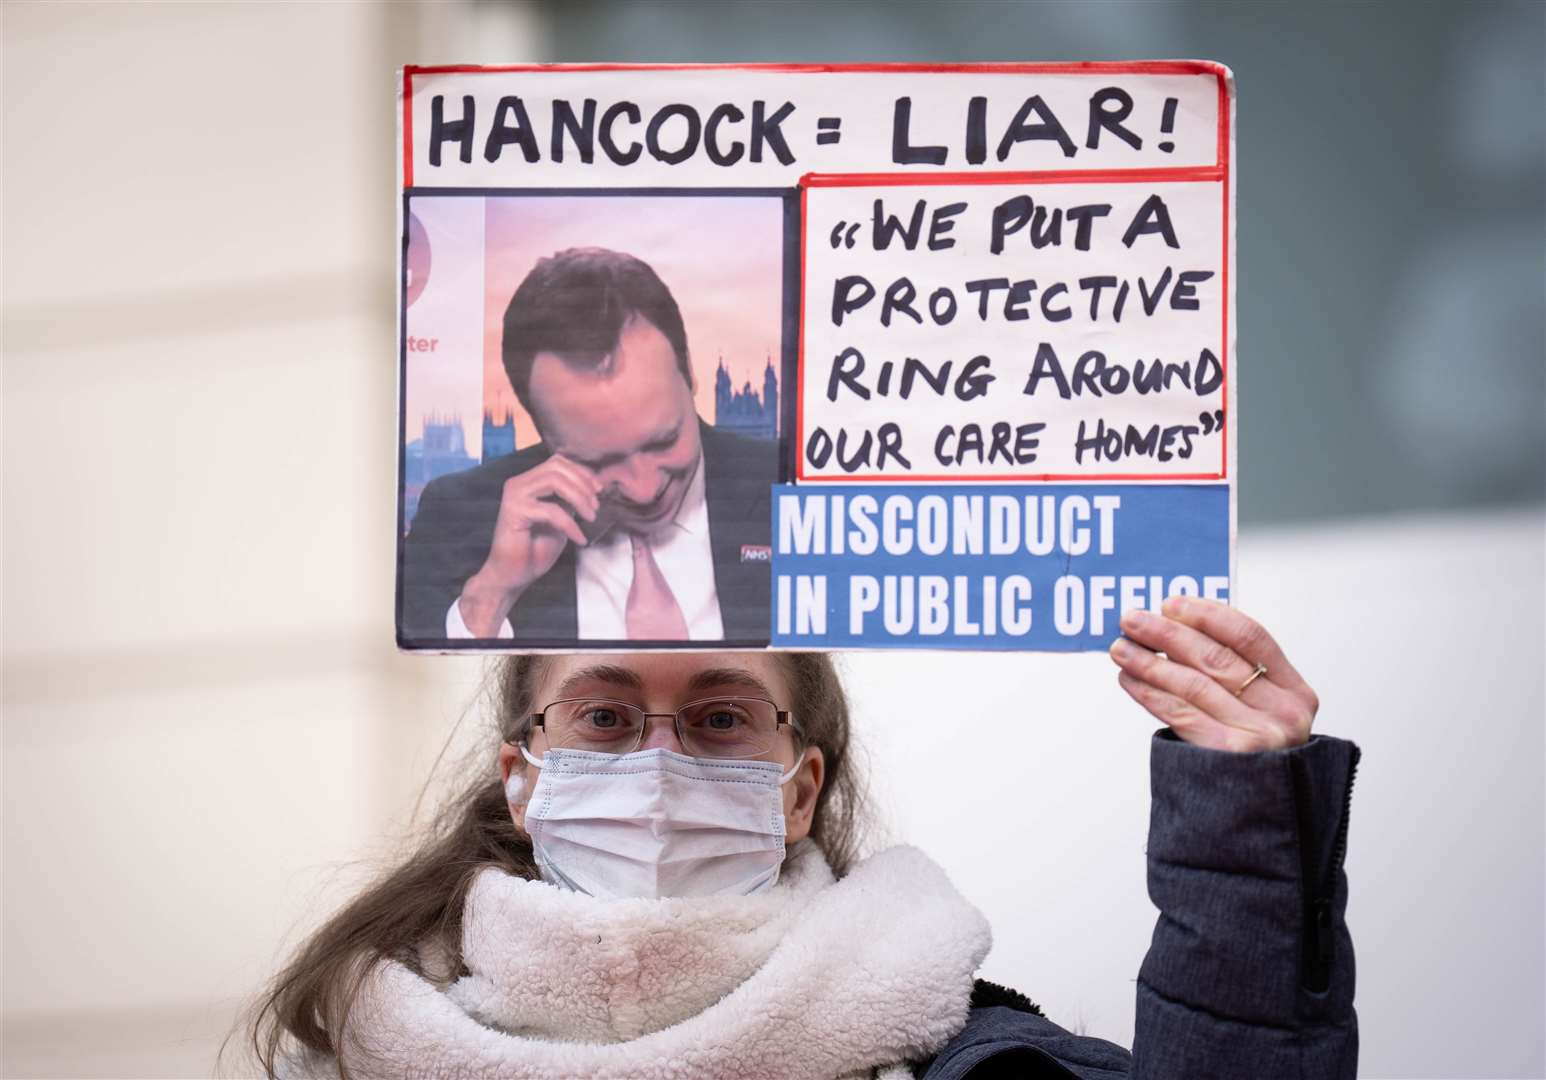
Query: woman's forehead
(668, 674)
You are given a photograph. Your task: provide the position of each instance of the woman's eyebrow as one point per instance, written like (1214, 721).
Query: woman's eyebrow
(602, 673)
(739, 678)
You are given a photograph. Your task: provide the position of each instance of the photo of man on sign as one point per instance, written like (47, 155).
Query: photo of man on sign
(630, 520)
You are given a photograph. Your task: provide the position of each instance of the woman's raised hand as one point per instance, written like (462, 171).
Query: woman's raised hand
(1222, 682)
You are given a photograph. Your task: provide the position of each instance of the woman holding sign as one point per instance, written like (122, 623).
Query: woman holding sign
(657, 876)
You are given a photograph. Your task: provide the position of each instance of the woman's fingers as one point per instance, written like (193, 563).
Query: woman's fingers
(1187, 721)
(1246, 637)
(1196, 650)
(1210, 654)
(1188, 684)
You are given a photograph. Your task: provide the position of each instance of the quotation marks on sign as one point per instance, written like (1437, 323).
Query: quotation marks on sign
(843, 234)
(1211, 421)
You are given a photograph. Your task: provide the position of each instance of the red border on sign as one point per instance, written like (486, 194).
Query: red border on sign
(408, 126)
(1013, 67)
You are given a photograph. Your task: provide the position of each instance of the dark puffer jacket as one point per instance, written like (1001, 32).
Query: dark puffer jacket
(1250, 973)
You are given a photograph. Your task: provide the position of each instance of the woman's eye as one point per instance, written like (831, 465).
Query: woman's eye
(603, 718)
(719, 718)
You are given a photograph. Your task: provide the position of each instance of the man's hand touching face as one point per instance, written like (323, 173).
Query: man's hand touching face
(540, 511)
(624, 442)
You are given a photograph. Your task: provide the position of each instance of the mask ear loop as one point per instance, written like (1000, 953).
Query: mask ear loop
(788, 776)
(799, 760)
(515, 787)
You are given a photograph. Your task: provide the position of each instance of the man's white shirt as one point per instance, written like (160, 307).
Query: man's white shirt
(604, 574)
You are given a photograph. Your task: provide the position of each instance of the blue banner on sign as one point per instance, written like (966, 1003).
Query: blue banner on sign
(1004, 566)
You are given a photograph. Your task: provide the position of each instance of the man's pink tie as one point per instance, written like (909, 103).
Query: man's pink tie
(653, 613)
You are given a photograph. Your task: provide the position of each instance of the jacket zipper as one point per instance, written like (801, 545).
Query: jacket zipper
(1320, 888)
(1339, 853)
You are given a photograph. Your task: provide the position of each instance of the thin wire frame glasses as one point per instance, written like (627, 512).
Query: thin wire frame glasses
(719, 727)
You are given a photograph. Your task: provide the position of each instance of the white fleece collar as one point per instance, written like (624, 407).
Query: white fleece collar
(812, 978)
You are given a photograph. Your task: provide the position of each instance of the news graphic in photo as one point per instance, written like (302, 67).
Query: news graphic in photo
(591, 420)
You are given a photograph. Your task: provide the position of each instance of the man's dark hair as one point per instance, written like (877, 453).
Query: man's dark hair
(575, 303)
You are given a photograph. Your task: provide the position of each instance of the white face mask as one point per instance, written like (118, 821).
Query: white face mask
(655, 823)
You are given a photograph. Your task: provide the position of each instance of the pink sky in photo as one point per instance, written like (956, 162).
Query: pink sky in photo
(721, 257)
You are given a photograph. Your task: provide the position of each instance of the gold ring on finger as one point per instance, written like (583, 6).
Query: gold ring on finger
(1261, 669)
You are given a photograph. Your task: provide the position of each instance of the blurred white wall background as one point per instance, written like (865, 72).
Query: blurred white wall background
(206, 724)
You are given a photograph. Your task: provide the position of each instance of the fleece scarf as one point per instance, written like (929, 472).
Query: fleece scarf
(813, 978)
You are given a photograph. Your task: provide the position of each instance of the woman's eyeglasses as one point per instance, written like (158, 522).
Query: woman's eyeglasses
(722, 727)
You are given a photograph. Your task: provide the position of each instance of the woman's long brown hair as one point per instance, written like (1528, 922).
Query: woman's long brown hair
(414, 910)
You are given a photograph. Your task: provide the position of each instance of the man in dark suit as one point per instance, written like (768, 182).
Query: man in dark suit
(632, 520)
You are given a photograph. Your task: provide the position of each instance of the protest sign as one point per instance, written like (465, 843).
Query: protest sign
(812, 356)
